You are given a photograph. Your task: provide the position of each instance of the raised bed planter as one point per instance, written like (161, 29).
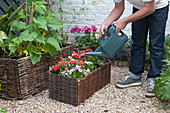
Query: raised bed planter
(75, 91)
(20, 79)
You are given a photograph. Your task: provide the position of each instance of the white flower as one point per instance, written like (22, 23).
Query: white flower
(88, 70)
(71, 71)
(69, 57)
(97, 36)
(80, 70)
(88, 63)
(77, 67)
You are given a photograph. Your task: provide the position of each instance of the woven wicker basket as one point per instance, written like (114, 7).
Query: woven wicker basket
(75, 91)
(20, 79)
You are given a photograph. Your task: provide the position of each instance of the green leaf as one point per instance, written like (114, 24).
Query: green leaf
(50, 49)
(41, 20)
(40, 10)
(54, 42)
(53, 23)
(35, 56)
(59, 37)
(2, 36)
(24, 35)
(12, 47)
(17, 26)
(41, 39)
(1, 110)
(22, 15)
(31, 36)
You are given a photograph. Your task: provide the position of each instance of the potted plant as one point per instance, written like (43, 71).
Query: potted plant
(26, 55)
(89, 38)
(75, 78)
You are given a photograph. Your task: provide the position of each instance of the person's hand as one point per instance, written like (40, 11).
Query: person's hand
(120, 24)
(102, 29)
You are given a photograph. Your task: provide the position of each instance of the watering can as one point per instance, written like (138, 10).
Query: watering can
(109, 45)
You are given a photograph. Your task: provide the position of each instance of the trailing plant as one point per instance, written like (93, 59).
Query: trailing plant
(162, 87)
(41, 33)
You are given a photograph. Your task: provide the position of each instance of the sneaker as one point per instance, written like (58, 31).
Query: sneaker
(128, 81)
(149, 90)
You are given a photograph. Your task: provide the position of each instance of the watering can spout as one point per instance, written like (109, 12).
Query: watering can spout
(99, 54)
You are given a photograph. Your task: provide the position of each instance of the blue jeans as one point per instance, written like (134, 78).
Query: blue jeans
(155, 23)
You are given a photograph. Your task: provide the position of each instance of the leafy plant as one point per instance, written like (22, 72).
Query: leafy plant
(89, 39)
(40, 33)
(162, 86)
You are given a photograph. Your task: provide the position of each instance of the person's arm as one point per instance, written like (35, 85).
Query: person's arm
(113, 16)
(149, 7)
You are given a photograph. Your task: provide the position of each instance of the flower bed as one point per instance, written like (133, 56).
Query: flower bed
(74, 79)
(20, 79)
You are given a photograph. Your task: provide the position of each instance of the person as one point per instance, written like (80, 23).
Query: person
(149, 16)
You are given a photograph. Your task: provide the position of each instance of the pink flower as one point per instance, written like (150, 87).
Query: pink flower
(76, 29)
(97, 36)
(94, 27)
(87, 29)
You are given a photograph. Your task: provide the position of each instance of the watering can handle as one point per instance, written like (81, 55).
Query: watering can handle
(101, 38)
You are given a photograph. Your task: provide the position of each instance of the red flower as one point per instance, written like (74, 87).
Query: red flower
(84, 58)
(62, 60)
(81, 62)
(59, 64)
(73, 52)
(87, 49)
(64, 67)
(80, 59)
(64, 63)
(76, 56)
(61, 57)
(91, 50)
(80, 51)
(87, 56)
(67, 59)
(55, 68)
(73, 61)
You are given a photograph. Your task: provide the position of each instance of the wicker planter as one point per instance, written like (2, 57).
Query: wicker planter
(75, 91)
(20, 79)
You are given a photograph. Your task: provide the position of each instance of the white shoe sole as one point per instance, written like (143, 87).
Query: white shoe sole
(149, 94)
(129, 85)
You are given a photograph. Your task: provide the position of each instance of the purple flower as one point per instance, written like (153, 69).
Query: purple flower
(101, 64)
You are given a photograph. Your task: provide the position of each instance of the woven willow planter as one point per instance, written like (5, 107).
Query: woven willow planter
(20, 79)
(75, 91)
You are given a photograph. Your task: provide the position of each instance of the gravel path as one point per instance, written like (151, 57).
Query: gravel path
(109, 99)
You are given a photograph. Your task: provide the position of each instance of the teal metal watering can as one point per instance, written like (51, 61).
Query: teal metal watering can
(111, 44)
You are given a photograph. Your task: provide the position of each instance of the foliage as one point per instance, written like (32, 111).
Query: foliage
(90, 37)
(39, 33)
(78, 65)
(5, 20)
(162, 86)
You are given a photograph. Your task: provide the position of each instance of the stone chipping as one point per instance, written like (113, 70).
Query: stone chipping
(109, 99)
